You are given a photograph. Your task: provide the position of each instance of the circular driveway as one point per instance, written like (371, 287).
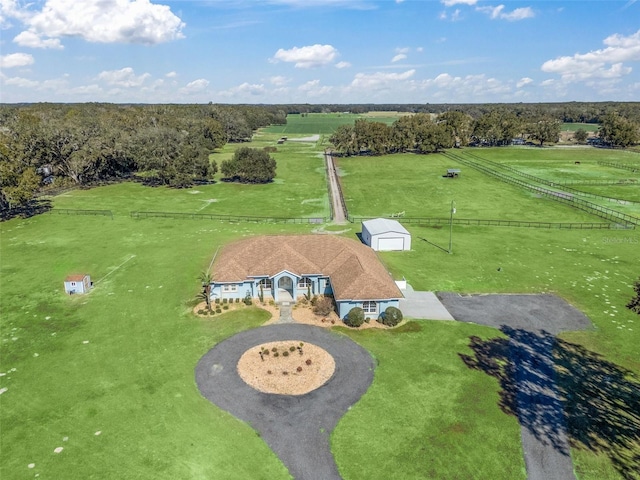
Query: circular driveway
(296, 428)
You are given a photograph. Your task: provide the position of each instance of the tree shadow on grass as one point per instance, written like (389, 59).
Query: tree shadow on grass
(32, 208)
(555, 388)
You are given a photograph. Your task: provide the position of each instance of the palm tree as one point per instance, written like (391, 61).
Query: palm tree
(205, 279)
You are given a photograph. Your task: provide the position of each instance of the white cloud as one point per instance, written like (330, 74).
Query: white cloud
(33, 40)
(244, 90)
(196, 86)
(279, 80)
(124, 77)
(605, 63)
(398, 57)
(450, 3)
(103, 21)
(313, 88)
(171, 75)
(21, 82)
(498, 13)
(307, 57)
(524, 81)
(379, 79)
(343, 65)
(477, 87)
(13, 60)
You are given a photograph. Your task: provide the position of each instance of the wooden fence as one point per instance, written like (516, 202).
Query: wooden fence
(230, 218)
(426, 221)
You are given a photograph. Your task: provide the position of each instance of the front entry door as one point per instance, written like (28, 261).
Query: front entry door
(286, 283)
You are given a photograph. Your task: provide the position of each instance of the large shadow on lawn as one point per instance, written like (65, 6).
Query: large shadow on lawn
(553, 386)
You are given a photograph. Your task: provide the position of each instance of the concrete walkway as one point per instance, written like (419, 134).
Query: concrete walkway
(285, 313)
(423, 305)
(297, 428)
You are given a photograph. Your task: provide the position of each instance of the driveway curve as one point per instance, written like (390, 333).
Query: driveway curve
(296, 428)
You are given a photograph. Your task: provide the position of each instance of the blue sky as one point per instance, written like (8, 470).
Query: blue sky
(319, 51)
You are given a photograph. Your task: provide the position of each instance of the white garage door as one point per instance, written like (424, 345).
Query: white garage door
(391, 243)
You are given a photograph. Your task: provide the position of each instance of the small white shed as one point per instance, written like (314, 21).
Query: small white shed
(77, 284)
(383, 234)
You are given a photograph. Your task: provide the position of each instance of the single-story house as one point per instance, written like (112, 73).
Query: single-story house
(285, 267)
(77, 284)
(383, 234)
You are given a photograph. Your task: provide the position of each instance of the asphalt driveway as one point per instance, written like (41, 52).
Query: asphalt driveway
(531, 323)
(296, 428)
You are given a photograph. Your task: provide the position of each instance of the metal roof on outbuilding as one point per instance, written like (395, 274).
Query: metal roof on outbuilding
(384, 225)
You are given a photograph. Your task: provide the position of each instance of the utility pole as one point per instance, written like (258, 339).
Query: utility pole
(453, 210)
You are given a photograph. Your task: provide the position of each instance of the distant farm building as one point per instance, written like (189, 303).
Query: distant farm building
(383, 234)
(77, 284)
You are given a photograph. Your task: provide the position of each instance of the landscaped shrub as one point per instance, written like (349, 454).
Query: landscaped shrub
(285, 354)
(247, 299)
(224, 300)
(323, 306)
(308, 362)
(225, 307)
(218, 310)
(299, 369)
(201, 312)
(238, 300)
(217, 301)
(355, 317)
(391, 317)
(292, 348)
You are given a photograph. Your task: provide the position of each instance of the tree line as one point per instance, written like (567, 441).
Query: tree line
(425, 133)
(88, 143)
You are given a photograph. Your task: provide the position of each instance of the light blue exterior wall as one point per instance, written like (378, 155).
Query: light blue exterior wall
(345, 306)
(284, 280)
(234, 290)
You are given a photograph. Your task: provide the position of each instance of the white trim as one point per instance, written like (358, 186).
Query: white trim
(368, 310)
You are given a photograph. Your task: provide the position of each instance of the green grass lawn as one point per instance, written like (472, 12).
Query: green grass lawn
(559, 164)
(414, 184)
(325, 123)
(573, 127)
(427, 415)
(120, 361)
(299, 190)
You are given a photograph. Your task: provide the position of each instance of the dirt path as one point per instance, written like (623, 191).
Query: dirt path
(337, 201)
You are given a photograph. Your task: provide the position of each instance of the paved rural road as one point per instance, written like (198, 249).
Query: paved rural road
(531, 322)
(337, 201)
(296, 428)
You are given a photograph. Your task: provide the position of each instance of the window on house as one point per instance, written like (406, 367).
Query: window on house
(265, 283)
(370, 307)
(73, 284)
(305, 282)
(230, 288)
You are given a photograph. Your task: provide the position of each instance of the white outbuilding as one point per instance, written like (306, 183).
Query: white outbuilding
(77, 284)
(383, 234)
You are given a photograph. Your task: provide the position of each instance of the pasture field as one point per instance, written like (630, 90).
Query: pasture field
(299, 190)
(326, 123)
(573, 127)
(109, 376)
(414, 184)
(559, 165)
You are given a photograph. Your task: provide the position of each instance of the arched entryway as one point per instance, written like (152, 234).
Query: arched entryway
(285, 289)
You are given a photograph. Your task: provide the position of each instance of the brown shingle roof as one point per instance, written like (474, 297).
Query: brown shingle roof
(75, 278)
(355, 270)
